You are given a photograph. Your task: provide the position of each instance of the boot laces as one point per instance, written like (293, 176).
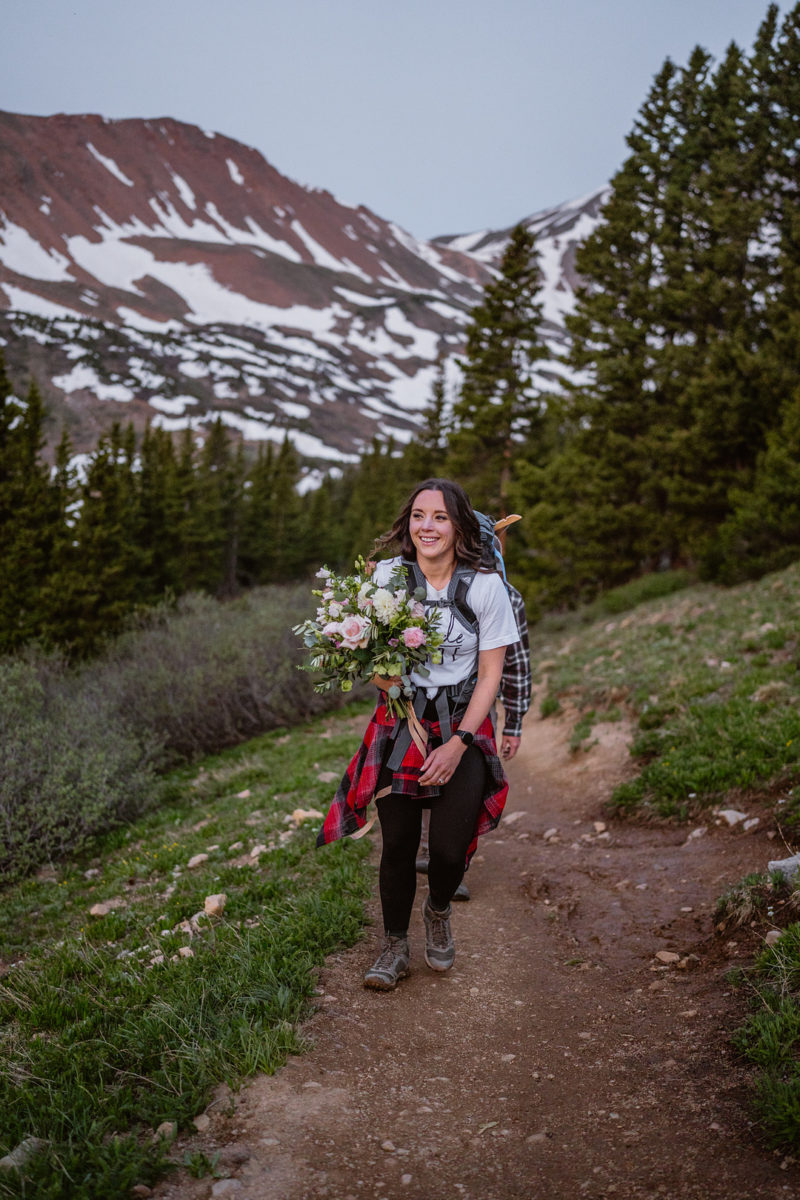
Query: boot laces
(439, 930)
(390, 953)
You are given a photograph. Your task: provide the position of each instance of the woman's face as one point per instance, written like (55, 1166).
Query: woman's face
(431, 529)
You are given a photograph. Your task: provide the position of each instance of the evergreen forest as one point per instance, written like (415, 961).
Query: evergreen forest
(676, 445)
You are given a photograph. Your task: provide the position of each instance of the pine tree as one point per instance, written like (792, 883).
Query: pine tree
(55, 626)
(669, 329)
(292, 545)
(158, 517)
(191, 533)
(279, 541)
(259, 534)
(763, 531)
(777, 66)
(605, 495)
(29, 516)
(109, 564)
(499, 412)
(214, 523)
(725, 409)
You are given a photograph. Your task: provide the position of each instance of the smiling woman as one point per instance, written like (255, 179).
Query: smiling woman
(433, 534)
(458, 776)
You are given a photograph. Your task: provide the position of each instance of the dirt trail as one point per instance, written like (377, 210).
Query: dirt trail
(558, 1059)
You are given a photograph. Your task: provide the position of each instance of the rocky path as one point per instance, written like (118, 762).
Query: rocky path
(559, 1059)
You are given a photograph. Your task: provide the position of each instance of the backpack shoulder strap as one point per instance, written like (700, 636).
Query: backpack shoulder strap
(414, 577)
(458, 588)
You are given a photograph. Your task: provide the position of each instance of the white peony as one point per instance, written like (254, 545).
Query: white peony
(385, 605)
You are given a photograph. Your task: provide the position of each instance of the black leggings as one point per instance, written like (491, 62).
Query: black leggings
(454, 815)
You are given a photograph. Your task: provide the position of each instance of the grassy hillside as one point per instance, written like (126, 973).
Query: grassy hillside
(712, 678)
(123, 1002)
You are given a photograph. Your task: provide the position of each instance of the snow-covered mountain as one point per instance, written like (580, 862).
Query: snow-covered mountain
(153, 271)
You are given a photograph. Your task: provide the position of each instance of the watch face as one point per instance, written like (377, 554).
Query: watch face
(466, 737)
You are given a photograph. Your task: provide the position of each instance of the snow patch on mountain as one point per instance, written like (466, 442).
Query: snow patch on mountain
(110, 165)
(85, 378)
(184, 191)
(36, 306)
(235, 173)
(22, 254)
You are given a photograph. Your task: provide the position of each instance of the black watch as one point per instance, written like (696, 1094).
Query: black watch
(466, 737)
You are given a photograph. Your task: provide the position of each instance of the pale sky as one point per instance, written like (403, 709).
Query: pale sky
(446, 116)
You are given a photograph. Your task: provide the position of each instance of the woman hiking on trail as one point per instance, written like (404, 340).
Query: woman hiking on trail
(461, 778)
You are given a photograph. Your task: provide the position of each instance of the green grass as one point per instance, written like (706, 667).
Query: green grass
(549, 706)
(582, 731)
(712, 678)
(106, 1029)
(617, 600)
(770, 1040)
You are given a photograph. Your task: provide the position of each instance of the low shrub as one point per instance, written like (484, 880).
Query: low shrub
(70, 766)
(654, 586)
(626, 597)
(205, 675)
(79, 746)
(550, 706)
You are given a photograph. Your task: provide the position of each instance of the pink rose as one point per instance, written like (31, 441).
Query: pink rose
(332, 630)
(413, 637)
(354, 631)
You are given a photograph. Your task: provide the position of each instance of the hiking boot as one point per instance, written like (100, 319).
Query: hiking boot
(422, 864)
(390, 966)
(461, 892)
(440, 949)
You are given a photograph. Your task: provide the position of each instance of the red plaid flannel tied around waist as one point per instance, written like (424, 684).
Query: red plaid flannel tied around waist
(348, 811)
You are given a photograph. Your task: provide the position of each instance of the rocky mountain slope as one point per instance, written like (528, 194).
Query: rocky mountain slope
(153, 271)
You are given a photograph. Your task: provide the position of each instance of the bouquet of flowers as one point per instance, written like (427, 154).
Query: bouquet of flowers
(362, 631)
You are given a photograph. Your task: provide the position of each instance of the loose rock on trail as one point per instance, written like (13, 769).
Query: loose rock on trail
(578, 1048)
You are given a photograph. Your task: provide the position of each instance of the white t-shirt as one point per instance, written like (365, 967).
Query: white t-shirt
(488, 599)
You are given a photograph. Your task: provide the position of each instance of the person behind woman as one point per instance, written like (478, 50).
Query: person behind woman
(460, 778)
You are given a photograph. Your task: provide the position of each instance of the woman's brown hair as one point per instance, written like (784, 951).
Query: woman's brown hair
(468, 548)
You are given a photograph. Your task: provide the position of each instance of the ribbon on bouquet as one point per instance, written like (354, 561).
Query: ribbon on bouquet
(418, 737)
(415, 727)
